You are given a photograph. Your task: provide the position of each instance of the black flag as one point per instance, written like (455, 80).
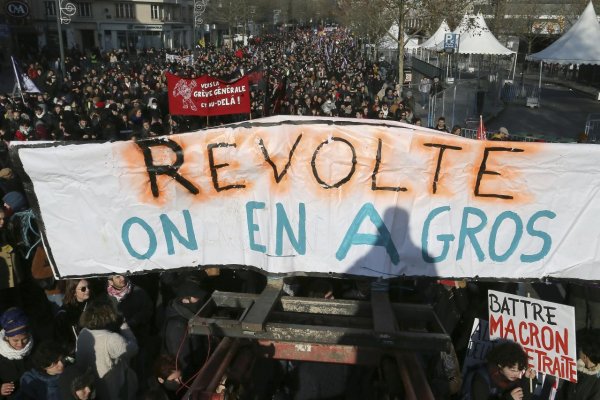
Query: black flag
(25, 83)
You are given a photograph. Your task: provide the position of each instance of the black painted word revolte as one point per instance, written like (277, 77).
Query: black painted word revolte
(172, 170)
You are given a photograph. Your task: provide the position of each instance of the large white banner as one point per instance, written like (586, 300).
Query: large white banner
(545, 330)
(291, 194)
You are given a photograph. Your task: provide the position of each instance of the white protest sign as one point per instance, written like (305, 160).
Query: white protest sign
(545, 330)
(317, 195)
(187, 59)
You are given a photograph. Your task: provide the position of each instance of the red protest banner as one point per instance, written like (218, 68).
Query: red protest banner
(207, 96)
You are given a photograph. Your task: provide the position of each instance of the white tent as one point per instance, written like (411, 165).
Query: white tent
(579, 45)
(437, 37)
(476, 38)
(387, 43)
(464, 24)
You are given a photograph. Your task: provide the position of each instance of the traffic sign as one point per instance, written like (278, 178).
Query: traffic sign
(450, 41)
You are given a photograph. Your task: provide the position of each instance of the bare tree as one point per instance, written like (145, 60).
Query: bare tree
(531, 21)
(384, 13)
(295, 12)
(367, 19)
(226, 12)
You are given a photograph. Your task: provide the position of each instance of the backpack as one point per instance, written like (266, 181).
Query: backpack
(470, 374)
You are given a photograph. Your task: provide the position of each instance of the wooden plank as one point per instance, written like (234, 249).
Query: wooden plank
(256, 317)
(333, 306)
(326, 306)
(234, 299)
(404, 371)
(417, 341)
(384, 319)
(332, 320)
(417, 377)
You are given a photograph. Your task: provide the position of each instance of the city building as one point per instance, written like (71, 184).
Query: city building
(128, 24)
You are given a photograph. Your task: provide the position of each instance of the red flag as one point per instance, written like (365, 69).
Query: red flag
(481, 130)
(207, 96)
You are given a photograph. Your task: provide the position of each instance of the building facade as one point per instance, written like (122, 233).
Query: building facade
(106, 24)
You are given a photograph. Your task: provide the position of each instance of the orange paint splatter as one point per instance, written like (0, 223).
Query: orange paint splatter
(137, 177)
(405, 162)
(510, 182)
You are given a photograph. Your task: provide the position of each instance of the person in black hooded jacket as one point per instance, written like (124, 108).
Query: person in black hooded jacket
(19, 232)
(190, 350)
(588, 368)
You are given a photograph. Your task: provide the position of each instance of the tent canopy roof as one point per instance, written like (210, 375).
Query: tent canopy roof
(579, 45)
(388, 43)
(437, 37)
(476, 37)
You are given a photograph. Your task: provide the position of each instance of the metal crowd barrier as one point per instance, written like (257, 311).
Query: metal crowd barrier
(592, 128)
(472, 134)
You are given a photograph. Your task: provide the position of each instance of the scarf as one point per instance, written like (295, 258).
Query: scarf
(12, 354)
(595, 371)
(500, 381)
(119, 294)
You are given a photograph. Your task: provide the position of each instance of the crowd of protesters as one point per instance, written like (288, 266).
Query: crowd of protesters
(115, 95)
(120, 337)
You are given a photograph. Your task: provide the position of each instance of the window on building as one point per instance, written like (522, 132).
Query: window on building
(124, 10)
(157, 11)
(50, 7)
(84, 9)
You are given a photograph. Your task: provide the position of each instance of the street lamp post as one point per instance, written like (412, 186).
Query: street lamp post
(64, 11)
(199, 8)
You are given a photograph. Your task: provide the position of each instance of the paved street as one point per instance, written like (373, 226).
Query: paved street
(562, 114)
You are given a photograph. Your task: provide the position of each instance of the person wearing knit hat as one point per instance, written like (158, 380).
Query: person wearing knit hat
(191, 290)
(15, 202)
(14, 322)
(16, 344)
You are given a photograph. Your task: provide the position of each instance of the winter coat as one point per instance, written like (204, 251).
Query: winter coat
(587, 386)
(66, 323)
(36, 385)
(489, 388)
(13, 364)
(137, 309)
(190, 349)
(24, 134)
(108, 354)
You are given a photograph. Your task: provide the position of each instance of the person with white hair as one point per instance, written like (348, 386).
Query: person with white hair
(502, 134)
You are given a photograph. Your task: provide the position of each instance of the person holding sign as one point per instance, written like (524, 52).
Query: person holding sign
(588, 369)
(505, 376)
